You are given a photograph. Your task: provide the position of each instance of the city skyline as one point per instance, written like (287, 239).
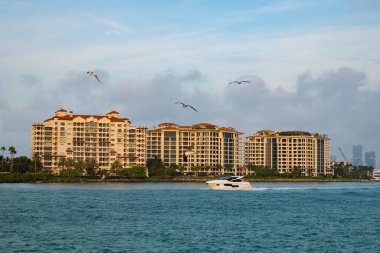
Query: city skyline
(357, 155)
(313, 65)
(370, 159)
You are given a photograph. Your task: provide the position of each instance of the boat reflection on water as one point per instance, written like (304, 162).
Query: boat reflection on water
(229, 183)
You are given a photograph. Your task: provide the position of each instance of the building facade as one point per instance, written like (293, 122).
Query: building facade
(357, 155)
(286, 150)
(370, 159)
(104, 138)
(217, 150)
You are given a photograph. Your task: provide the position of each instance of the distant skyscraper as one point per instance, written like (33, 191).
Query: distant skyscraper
(357, 155)
(370, 159)
(333, 158)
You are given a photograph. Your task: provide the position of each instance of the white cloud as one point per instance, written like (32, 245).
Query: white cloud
(113, 24)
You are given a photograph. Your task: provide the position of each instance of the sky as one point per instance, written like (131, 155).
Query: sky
(313, 65)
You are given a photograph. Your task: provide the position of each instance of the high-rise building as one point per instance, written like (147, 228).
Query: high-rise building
(333, 158)
(370, 159)
(104, 138)
(217, 150)
(357, 155)
(287, 150)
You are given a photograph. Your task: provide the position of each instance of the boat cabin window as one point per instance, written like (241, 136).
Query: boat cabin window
(231, 178)
(226, 178)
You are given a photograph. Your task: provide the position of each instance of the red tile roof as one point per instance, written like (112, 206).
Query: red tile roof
(98, 117)
(168, 123)
(61, 110)
(203, 124)
(154, 130)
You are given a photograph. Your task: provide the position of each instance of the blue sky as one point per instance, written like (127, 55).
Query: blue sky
(153, 53)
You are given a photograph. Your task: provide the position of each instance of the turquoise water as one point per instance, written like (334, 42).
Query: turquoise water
(186, 217)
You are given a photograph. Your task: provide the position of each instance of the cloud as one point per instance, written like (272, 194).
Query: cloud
(193, 75)
(331, 103)
(114, 25)
(29, 79)
(153, 101)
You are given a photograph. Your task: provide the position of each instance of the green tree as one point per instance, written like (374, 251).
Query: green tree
(71, 168)
(80, 166)
(103, 173)
(69, 163)
(341, 169)
(219, 168)
(155, 167)
(22, 163)
(228, 168)
(136, 172)
(3, 149)
(71, 172)
(12, 152)
(361, 172)
(91, 166)
(37, 161)
(116, 167)
(296, 172)
(261, 171)
(61, 164)
(172, 170)
(196, 170)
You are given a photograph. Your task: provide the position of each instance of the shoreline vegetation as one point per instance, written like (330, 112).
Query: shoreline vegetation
(24, 170)
(51, 178)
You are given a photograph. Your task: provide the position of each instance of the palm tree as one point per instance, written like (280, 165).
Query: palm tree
(69, 163)
(196, 169)
(91, 166)
(79, 166)
(116, 165)
(35, 158)
(219, 168)
(12, 151)
(61, 164)
(2, 160)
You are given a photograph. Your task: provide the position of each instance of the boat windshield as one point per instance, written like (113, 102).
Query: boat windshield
(226, 178)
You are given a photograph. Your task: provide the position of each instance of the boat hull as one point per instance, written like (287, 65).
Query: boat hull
(218, 185)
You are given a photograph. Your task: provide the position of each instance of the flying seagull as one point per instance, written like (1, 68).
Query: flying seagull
(92, 73)
(184, 106)
(239, 82)
(188, 151)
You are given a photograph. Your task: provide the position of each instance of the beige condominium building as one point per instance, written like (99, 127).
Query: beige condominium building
(105, 138)
(286, 150)
(217, 150)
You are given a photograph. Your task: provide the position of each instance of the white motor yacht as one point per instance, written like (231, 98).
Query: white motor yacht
(229, 183)
(376, 175)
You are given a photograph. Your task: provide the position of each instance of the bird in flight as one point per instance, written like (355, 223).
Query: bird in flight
(92, 73)
(239, 82)
(185, 105)
(188, 151)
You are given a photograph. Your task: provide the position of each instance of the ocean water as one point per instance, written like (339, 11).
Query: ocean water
(187, 217)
